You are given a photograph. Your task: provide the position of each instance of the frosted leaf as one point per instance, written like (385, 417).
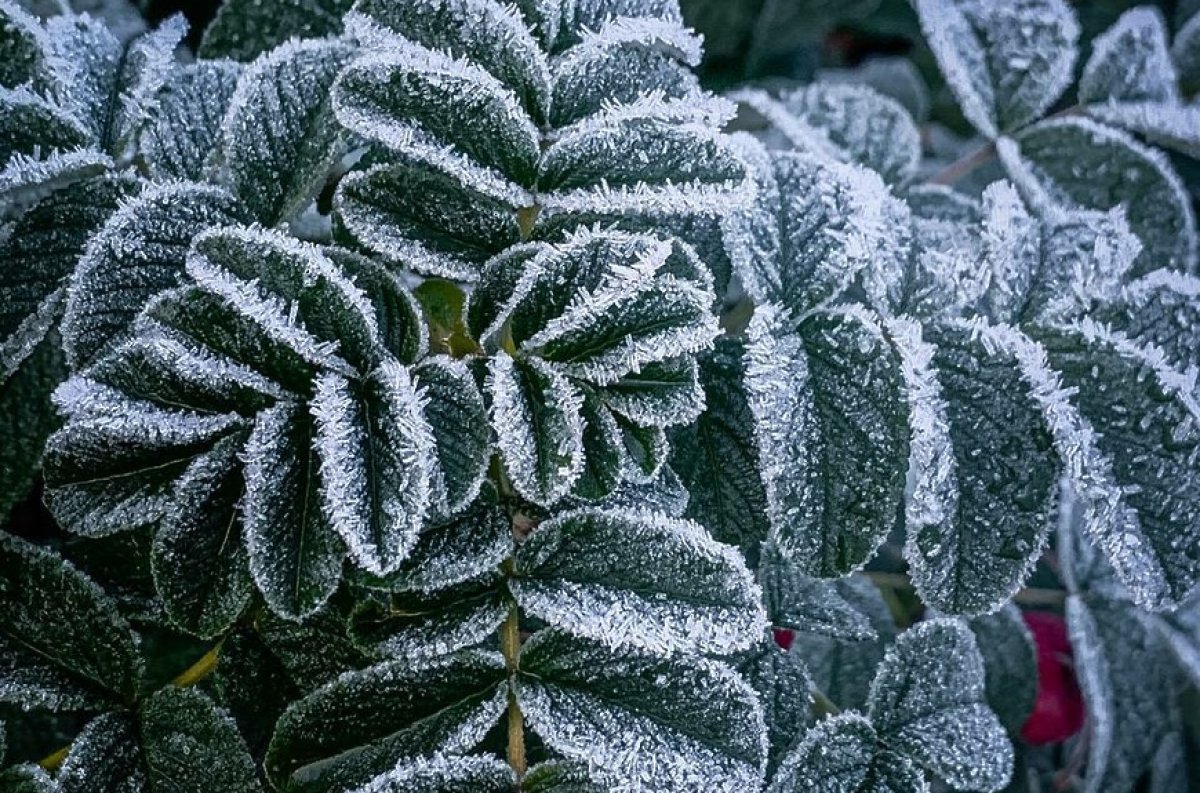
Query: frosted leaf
(646, 452)
(179, 140)
(682, 724)
(313, 652)
(1128, 684)
(487, 33)
(662, 494)
(418, 628)
(1050, 267)
(31, 125)
(928, 702)
(278, 137)
(40, 251)
(893, 77)
(138, 252)
(857, 125)
(63, 645)
(377, 460)
(424, 219)
(1083, 164)
(841, 754)
(104, 757)
(843, 669)
(717, 457)
(23, 177)
(199, 556)
(1007, 63)
(641, 165)
(245, 29)
(604, 454)
(783, 687)
(1172, 126)
(179, 741)
(659, 394)
(457, 417)
(813, 227)
(471, 545)
(1171, 766)
(297, 295)
(295, 552)
(1130, 62)
(191, 746)
(363, 722)
(444, 774)
(28, 778)
(828, 403)
(975, 543)
(21, 45)
(627, 60)
(1140, 498)
(398, 317)
(1010, 664)
(110, 87)
(113, 467)
(27, 418)
(1159, 310)
(494, 296)
(1185, 51)
(539, 429)
(638, 580)
(560, 776)
(799, 603)
(939, 202)
(199, 319)
(1182, 632)
(448, 114)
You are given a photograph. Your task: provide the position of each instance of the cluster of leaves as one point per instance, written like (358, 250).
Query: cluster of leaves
(477, 404)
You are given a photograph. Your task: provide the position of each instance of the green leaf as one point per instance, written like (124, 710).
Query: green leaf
(662, 394)
(784, 691)
(799, 603)
(104, 475)
(199, 557)
(397, 312)
(446, 774)
(1130, 62)
(295, 552)
(178, 142)
(278, 138)
(488, 33)
(21, 41)
(27, 418)
(841, 754)
(377, 454)
(422, 218)
(1185, 52)
(178, 741)
(696, 723)
(843, 669)
(252, 684)
(977, 528)
(1171, 125)
(813, 227)
(466, 547)
(1129, 685)
(418, 628)
(245, 29)
(539, 430)
(449, 115)
(456, 414)
(829, 407)
(27, 778)
(717, 458)
(1010, 663)
(64, 646)
(928, 702)
(583, 572)
(40, 252)
(1080, 163)
(138, 252)
(1007, 63)
(1140, 498)
(605, 457)
(30, 125)
(362, 723)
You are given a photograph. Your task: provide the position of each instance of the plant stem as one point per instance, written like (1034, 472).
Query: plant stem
(510, 646)
(185, 679)
(964, 165)
(822, 705)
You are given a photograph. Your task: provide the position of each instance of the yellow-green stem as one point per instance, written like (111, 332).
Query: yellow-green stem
(510, 646)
